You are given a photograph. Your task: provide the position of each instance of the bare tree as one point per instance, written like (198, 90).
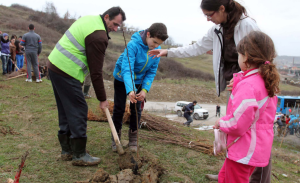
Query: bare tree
(169, 41)
(50, 8)
(67, 15)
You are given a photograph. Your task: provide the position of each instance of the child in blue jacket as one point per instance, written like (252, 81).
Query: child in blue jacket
(142, 70)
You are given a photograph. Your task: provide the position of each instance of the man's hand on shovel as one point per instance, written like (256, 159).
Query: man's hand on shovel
(104, 104)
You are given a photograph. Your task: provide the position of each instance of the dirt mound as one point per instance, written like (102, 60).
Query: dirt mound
(149, 172)
(127, 161)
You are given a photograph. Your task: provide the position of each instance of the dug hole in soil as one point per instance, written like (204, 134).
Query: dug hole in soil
(147, 171)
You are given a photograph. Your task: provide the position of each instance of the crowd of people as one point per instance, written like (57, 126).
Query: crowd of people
(12, 52)
(287, 121)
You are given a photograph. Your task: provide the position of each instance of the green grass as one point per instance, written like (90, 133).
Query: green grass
(203, 63)
(287, 87)
(206, 84)
(30, 109)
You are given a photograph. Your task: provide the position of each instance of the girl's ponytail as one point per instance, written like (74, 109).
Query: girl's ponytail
(269, 73)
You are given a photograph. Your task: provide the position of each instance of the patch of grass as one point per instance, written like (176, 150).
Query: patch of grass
(288, 87)
(203, 63)
(207, 84)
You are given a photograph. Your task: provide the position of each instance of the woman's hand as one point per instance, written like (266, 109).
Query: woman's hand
(158, 53)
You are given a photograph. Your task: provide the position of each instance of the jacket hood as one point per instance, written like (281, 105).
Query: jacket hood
(4, 34)
(138, 39)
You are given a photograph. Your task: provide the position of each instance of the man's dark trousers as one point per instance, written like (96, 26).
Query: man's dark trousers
(262, 174)
(188, 117)
(71, 105)
(120, 97)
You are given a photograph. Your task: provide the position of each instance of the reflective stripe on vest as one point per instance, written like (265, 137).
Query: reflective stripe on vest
(72, 57)
(69, 54)
(75, 42)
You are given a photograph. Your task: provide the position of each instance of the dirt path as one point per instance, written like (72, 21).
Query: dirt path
(169, 106)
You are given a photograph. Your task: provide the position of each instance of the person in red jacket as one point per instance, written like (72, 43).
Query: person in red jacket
(287, 119)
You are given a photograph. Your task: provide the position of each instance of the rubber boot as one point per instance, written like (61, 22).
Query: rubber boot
(113, 144)
(212, 177)
(132, 140)
(80, 156)
(86, 89)
(66, 151)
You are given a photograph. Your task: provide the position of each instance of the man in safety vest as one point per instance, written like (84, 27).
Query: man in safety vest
(81, 50)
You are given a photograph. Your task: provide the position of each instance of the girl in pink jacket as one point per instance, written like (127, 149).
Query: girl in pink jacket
(251, 109)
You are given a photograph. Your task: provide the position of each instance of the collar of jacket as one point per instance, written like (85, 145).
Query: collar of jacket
(250, 72)
(105, 26)
(219, 26)
(137, 37)
(144, 36)
(237, 77)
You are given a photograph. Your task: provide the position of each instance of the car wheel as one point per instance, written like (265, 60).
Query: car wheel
(196, 116)
(179, 113)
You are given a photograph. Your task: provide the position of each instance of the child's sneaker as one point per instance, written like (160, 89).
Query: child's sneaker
(38, 80)
(28, 80)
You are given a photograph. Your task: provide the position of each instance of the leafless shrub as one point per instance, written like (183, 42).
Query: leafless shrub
(21, 7)
(48, 36)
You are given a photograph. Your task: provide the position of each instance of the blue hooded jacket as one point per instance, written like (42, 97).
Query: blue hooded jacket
(142, 65)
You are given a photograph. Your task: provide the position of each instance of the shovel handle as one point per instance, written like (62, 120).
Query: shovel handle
(112, 127)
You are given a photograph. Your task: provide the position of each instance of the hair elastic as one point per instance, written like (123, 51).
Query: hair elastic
(267, 62)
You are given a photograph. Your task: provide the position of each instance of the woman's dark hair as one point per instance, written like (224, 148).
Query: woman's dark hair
(259, 49)
(114, 11)
(17, 44)
(234, 9)
(158, 30)
(13, 37)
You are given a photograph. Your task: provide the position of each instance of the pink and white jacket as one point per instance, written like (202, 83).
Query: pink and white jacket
(249, 104)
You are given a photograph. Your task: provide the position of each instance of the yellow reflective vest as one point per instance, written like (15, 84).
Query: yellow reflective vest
(69, 54)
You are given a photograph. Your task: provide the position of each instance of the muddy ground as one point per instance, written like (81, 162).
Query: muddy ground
(132, 170)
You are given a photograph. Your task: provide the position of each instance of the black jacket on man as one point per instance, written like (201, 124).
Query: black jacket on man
(189, 108)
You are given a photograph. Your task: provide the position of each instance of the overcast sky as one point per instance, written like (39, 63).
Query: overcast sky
(185, 20)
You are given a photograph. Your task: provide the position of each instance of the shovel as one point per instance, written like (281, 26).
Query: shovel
(122, 154)
(114, 133)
